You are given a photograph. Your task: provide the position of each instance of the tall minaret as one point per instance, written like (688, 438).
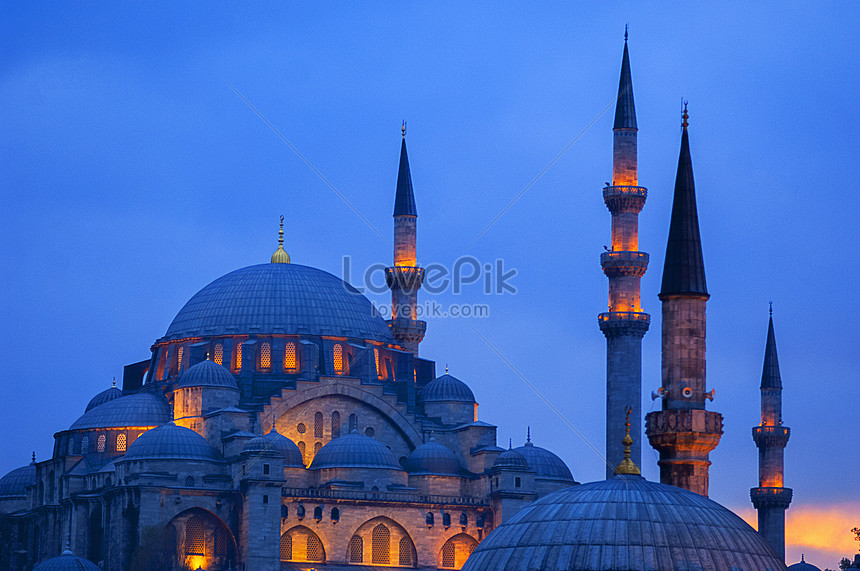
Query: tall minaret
(771, 499)
(625, 323)
(405, 277)
(684, 432)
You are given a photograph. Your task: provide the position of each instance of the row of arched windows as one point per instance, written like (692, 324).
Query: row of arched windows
(302, 544)
(120, 444)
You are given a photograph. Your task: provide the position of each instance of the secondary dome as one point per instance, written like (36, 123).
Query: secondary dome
(171, 442)
(66, 562)
(275, 443)
(207, 374)
(446, 388)
(15, 482)
(803, 566)
(103, 397)
(546, 465)
(625, 522)
(355, 451)
(279, 298)
(511, 460)
(432, 458)
(141, 409)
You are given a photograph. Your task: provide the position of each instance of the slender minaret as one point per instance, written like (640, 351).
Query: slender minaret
(771, 499)
(683, 432)
(405, 277)
(625, 323)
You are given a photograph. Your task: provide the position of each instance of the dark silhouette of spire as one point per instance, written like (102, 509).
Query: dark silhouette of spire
(625, 111)
(770, 378)
(404, 200)
(684, 268)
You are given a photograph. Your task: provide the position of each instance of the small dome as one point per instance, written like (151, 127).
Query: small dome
(546, 465)
(15, 482)
(511, 460)
(625, 522)
(433, 458)
(446, 388)
(355, 451)
(103, 397)
(66, 562)
(803, 566)
(275, 443)
(170, 442)
(141, 409)
(207, 374)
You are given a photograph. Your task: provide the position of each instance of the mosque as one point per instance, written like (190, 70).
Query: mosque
(281, 423)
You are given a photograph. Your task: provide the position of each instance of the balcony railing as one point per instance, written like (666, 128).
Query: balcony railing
(364, 495)
(624, 256)
(620, 190)
(624, 316)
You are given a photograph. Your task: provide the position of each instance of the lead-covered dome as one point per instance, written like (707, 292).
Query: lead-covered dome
(103, 397)
(432, 458)
(511, 460)
(171, 442)
(207, 374)
(446, 388)
(275, 443)
(355, 451)
(66, 562)
(802, 565)
(545, 464)
(15, 482)
(279, 298)
(628, 523)
(140, 409)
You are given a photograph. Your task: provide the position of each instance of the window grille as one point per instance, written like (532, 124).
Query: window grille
(376, 360)
(301, 446)
(219, 354)
(286, 547)
(315, 548)
(405, 558)
(290, 364)
(100, 446)
(266, 356)
(120, 442)
(381, 539)
(335, 424)
(318, 425)
(194, 537)
(317, 447)
(179, 358)
(448, 554)
(338, 358)
(353, 422)
(189, 481)
(238, 356)
(356, 549)
(301, 428)
(85, 444)
(222, 542)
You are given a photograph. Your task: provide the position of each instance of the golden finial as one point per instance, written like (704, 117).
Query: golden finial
(627, 466)
(281, 256)
(446, 368)
(685, 117)
(114, 382)
(403, 128)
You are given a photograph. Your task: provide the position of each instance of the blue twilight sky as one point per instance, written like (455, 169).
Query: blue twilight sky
(132, 175)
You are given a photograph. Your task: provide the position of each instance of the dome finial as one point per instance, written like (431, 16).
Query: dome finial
(114, 382)
(446, 368)
(510, 443)
(403, 128)
(685, 116)
(528, 434)
(34, 457)
(281, 256)
(274, 429)
(627, 465)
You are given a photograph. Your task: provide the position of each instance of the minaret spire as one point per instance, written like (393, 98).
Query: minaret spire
(625, 110)
(683, 432)
(281, 256)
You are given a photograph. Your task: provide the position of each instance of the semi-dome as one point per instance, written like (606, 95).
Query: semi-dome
(803, 566)
(545, 464)
(432, 458)
(446, 388)
(66, 562)
(277, 299)
(275, 443)
(628, 523)
(171, 442)
(15, 482)
(103, 397)
(355, 451)
(207, 374)
(140, 409)
(511, 460)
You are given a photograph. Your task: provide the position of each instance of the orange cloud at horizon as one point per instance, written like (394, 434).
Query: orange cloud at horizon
(821, 533)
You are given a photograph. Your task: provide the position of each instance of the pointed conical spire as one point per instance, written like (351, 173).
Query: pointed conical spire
(625, 111)
(770, 378)
(404, 200)
(684, 267)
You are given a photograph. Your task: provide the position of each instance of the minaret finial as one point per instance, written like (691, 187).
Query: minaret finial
(625, 32)
(34, 456)
(627, 465)
(403, 128)
(528, 434)
(685, 116)
(273, 422)
(281, 256)
(446, 368)
(114, 382)
(770, 311)
(510, 443)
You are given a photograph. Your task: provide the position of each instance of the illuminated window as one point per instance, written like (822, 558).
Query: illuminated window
(85, 444)
(315, 548)
(301, 428)
(266, 356)
(376, 360)
(381, 548)
(179, 358)
(353, 422)
(317, 447)
(318, 425)
(290, 362)
(238, 358)
(301, 446)
(219, 354)
(286, 547)
(335, 424)
(120, 442)
(194, 537)
(457, 549)
(356, 549)
(406, 558)
(338, 358)
(100, 446)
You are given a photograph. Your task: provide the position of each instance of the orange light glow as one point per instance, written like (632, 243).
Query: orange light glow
(196, 562)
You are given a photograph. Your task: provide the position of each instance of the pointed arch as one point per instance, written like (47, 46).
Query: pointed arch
(301, 544)
(380, 549)
(383, 541)
(356, 549)
(204, 539)
(456, 550)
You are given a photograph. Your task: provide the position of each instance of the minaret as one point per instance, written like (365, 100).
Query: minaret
(625, 323)
(771, 499)
(405, 278)
(683, 432)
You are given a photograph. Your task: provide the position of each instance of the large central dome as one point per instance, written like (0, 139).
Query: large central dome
(279, 298)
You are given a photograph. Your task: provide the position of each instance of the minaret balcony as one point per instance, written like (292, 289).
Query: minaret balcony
(404, 278)
(624, 198)
(763, 498)
(614, 323)
(624, 263)
(771, 436)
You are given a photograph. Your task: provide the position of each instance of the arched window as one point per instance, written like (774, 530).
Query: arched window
(219, 354)
(238, 357)
(317, 447)
(266, 356)
(318, 425)
(290, 361)
(286, 547)
(222, 542)
(448, 554)
(189, 481)
(457, 549)
(406, 558)
(100, 443)
(85, 444)
(302, 544)
(335, 515)
(376, 360)
(179, 355)
(315, 548)
(194, 537)
(335, 424)
(356, 549)
(71, 445)
(121, 442)
(353, 422)
(338, 358)
(381, 545)
(301, 446)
